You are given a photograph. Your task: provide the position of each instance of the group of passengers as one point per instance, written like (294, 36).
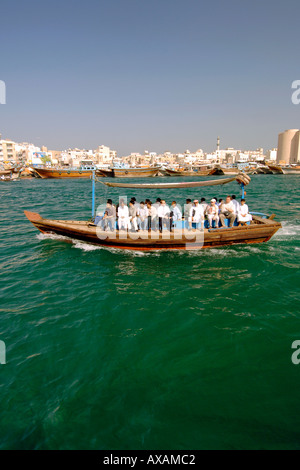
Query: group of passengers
(154, 216)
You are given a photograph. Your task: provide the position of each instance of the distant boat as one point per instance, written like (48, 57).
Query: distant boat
(276, 169)
(291, 170)
(123, 172)
(5, 172)
(171, 172)
(63, 173)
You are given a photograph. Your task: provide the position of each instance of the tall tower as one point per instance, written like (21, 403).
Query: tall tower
(218, 150)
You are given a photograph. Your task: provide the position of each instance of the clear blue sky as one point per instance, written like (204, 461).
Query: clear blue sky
(156, 75)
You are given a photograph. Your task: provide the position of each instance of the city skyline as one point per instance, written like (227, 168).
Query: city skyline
(160, 76)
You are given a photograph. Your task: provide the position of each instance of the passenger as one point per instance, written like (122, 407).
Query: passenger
(152, 216)
(123, 216)
(243, 215)
(154, 222)
(133, 216)
(187, 208)
(142, 214)
(227, 212)
(236, 205)
(212, 213)
(204, 204)
(175, 213)
(219, 204)
(163, 213)
(109, 217)
(196, 215)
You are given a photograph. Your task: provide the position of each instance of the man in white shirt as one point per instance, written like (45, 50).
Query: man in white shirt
(152, 216)
(236, 205)
(163, 213)
(212, 213)
(175, 213)
(123, 216)
(227, 212)
(142, 213)
(196, 214)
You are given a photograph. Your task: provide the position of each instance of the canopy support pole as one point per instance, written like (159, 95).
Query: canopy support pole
(93, 194)
(243, 190)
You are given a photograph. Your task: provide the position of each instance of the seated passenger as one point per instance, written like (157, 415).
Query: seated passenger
(142, 214)
(175, 213)
(132, 216)
(227, 211)
(163, 213)
(123, 216)
(196, 215)
(109, 217)
(204, 204)
(212, 213)
(235, 204)
(243, 215)
(152, 216)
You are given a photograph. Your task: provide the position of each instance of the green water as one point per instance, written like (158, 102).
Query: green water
(109, 349)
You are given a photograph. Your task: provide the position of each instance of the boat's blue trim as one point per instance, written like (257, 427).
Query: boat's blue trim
(260, 214)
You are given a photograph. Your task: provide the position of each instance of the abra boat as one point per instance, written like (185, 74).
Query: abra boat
(261, 229)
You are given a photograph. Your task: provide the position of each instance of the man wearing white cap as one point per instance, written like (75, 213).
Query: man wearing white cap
(196, 214)
(212, 213)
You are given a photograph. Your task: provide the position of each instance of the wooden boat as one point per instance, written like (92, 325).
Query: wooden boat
(129, 172)
(170, 172)
(276, 169)
(5, 172)
(260, 230)
(291, 170)
(230, 171)
(63, 173)
(106, 173)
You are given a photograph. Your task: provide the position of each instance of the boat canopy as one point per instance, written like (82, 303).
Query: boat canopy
(241, 178)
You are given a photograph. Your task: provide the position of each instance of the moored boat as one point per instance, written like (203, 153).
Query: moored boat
(63, 172)
(123, 172)
(291, 170)
(172, 172)
(276, 169)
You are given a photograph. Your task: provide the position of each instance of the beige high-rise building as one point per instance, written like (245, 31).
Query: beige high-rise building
(289, 147)
(7, 151)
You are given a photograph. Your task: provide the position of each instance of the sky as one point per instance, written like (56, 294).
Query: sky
(153, 75)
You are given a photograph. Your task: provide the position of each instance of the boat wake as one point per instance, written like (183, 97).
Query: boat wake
(288, 232)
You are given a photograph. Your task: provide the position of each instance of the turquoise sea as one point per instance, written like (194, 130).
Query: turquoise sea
(109, 349)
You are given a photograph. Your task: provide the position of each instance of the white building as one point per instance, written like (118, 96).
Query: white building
(271, 155)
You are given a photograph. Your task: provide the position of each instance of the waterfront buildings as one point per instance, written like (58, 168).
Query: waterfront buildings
(30, 154)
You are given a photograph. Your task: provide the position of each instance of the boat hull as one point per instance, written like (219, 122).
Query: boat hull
(62, 173)
(260, 231)
(291, 171)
